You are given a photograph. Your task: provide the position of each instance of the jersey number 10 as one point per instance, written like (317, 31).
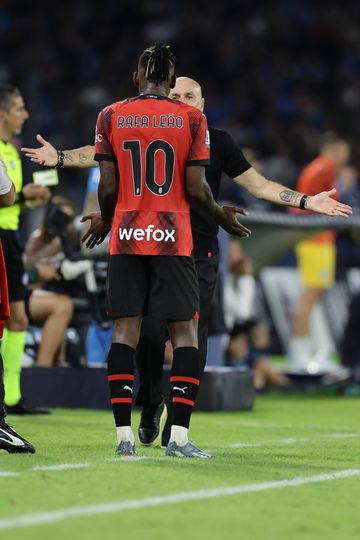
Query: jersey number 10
(150, 168)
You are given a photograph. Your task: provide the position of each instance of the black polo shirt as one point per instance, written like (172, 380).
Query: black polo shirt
(225, 157)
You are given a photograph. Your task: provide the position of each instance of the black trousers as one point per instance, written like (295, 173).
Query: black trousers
(2, 391)
(150, 351)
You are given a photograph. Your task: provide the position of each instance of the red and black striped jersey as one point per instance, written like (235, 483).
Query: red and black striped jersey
(153, 139)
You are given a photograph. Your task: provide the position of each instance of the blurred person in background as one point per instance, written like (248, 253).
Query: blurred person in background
(13, 114)
(99, 336)
(348, 186)
(249, 335)
(248, 350)
(53, 311)
(226, 157)
(239, 286)
(10, 441)
(316, 256)
(348, 241)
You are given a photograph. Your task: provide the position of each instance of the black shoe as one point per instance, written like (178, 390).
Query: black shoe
(12, 442)
(21, 409)
(151, 422)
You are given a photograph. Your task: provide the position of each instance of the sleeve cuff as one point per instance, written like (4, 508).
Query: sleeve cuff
(238, 172)
(198, 163)
(104, 157)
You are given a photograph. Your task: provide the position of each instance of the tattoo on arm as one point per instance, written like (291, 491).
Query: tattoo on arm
(83, 159)
(68, 157)
(290, 198)
(80, 157)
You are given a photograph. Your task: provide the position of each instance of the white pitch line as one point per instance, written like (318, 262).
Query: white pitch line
(8, 473)
(343, 435)
(126, 459)
(281, 442)
(61, 467)
(162, 457)
(276, 442)
(42, 518)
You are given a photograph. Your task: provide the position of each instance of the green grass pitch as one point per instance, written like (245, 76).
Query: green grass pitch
(284, 438)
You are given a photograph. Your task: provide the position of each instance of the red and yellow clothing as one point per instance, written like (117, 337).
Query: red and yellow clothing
(153, 139)
(317, 176)
(316, 255)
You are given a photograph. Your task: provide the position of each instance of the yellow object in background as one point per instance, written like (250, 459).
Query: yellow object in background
(316, 263)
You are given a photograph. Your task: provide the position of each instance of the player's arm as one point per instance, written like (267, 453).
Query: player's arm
(262, 188)
(107, 195)
(7, 188)
(48, 156)
(196, 185)
(100, 222)
(108, 190)
(200, 193)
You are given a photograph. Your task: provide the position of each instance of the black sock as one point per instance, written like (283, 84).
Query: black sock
(184, 384)
(121, 379)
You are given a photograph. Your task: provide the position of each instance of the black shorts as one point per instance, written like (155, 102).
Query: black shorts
(162, 286)
(15, 270)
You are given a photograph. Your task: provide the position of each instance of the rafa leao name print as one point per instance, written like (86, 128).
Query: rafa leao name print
(155, 121)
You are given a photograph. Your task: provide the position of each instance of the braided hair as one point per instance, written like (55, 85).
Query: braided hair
(157, 62)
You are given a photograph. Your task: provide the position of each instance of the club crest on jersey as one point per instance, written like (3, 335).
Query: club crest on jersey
(150, 234)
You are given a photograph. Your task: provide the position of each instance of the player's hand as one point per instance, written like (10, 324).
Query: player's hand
(97, 232)
(38, 195)
(322, 203)
(230, 224)
(46, 155)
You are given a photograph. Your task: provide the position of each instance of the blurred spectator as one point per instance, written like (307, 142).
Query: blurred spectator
(348, 242)
(47, 244)
(248, 349)
(99, 335)
(348, 188)
(53, 311)
(239, 286)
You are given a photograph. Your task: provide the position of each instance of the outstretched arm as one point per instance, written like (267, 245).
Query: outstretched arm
(262, 188)
(199, 191)
(48, 156)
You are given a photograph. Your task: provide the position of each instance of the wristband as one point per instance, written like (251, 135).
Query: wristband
(303, 200)
(60, 161)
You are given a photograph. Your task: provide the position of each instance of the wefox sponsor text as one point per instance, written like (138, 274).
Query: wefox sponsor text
(149, 234)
